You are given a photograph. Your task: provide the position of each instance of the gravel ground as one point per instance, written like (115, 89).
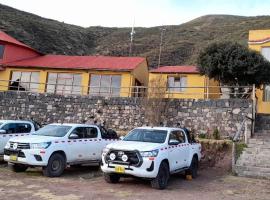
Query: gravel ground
(88, 183)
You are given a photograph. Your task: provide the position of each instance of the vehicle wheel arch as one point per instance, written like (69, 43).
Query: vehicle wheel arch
(166, 161)
(61, 152)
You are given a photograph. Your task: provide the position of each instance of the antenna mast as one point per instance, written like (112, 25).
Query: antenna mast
(160, 46)
(132, 33)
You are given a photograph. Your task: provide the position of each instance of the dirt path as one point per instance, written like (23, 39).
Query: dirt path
(87, 183)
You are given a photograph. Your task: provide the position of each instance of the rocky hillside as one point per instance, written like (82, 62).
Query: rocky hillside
(181, 43)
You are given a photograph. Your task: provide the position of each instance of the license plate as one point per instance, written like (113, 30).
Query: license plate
(119, 169)
(13, 157)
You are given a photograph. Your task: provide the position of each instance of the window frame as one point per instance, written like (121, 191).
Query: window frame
(55, 90)
(175, 132)
(111, 91)
(85, 133)
(29, 84)
(265, 99)
(16, 127)
(2, 52)
(174, 89)
(265, 47)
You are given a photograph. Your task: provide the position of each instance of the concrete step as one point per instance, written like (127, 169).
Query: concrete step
(253, 172)
(260, 165)
(259, 140)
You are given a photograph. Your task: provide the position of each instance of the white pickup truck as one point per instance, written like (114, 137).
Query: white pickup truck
(56, 146)
(152, 153)
(14, 128)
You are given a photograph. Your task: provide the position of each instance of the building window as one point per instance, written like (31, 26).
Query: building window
(2, 48)
(266, 52)
(64, 83)
(266, 93)
(105, 85)
(24, 81)
(177, 84)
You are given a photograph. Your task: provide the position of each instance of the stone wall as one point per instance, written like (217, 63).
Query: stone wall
(123, 114)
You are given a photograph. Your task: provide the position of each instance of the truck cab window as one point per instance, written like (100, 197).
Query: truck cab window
(178, 135)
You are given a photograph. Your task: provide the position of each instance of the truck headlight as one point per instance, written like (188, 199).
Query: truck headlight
(153, 153)
(43, 145)
(7, 145)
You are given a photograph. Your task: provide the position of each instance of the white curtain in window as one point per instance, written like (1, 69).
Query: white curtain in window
(266, 52)
(267, 93)
(183, 81)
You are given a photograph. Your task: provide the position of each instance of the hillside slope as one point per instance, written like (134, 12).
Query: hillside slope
(181, 43)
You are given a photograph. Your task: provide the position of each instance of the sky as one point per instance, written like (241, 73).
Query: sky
(145, 13)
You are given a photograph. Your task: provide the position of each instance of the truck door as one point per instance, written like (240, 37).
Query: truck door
(76, 148)
(178, 150)
(93, 146)
(184, 149)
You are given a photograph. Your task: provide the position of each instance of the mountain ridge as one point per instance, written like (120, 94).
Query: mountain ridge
(182, 43)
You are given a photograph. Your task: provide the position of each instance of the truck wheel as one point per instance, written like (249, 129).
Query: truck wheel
(111, 178)
(193, 169)
(161, 181)
(18, 168)
(56, 166)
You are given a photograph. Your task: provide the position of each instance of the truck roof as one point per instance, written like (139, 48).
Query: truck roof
(160, 128)
(15, 121)
(73, 124)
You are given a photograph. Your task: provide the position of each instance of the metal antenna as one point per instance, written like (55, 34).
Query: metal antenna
(160, 46)
(132, 33)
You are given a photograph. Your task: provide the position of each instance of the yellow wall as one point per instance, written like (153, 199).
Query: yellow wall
(193, 80)
(127, 78)
(263, 107)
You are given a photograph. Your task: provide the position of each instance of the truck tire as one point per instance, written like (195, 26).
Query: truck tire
(111, 178)
(161, 181)
(18, 167)
(193, 168)
(56, 166)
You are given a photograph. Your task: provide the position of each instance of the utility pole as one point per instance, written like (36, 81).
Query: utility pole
(132, 33)
(160, 46)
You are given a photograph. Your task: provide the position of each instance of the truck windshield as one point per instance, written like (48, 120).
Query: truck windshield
(147, 135)
(53, 131)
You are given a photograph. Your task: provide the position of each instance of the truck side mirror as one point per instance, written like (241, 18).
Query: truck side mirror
(73, 136)
(3, 131)
(173, 142)
(121, 137)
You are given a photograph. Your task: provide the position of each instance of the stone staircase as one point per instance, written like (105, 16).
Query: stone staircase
(255, 160)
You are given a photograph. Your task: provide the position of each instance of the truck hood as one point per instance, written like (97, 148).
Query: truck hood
(131, 146)
(33, 139)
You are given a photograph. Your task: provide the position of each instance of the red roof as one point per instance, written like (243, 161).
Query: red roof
(6, 38)
(177, 69)
(81, 62)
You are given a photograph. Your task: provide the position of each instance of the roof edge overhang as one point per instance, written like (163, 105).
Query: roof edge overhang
(260, 41)
(62, 68)
(23, 46)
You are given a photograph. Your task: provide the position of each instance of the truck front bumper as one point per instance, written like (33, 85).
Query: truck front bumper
(148, 169)
(31, 157)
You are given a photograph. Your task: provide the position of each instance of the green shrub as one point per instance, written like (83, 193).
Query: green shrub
(202, 136)
(239, 148)
(216, 134)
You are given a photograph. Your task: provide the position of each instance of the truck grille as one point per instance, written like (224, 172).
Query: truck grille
(20, 145)
(9, 152)
(134, 158)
